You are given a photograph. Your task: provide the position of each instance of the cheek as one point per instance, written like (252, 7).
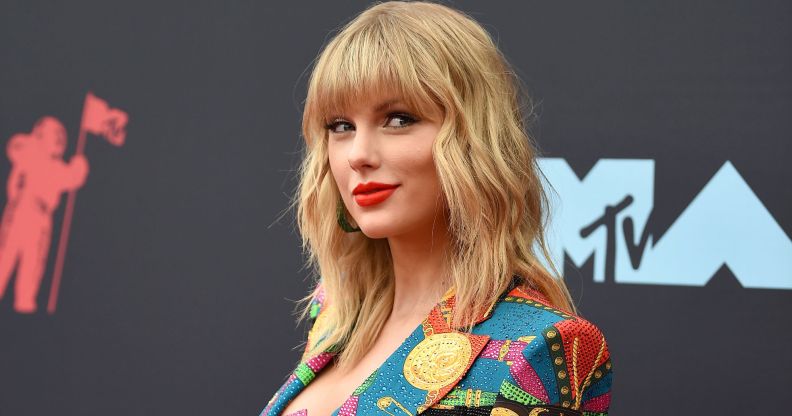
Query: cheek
(338, 166)
(417, 164)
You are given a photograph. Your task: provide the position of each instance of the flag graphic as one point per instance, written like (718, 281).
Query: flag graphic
(100, 119)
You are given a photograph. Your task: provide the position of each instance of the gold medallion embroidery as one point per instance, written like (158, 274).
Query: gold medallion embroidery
(438, 360)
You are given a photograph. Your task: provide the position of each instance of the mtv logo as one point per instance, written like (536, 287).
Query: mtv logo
(604, 215)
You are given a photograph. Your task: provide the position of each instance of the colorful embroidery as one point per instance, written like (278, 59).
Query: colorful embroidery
(523, 357)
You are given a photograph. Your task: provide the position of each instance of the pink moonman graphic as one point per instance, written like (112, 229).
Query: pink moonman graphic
(38, 178)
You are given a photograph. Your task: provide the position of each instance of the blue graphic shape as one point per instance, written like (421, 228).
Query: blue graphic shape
(576, 203)
(725, 224)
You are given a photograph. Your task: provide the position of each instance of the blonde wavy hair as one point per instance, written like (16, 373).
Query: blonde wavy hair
(433, 57)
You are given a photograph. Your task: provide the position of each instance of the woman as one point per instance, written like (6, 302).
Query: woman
(421, 208)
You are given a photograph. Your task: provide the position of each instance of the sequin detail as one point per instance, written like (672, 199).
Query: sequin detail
(523, 357)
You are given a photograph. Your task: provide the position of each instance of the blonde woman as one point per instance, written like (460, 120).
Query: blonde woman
(422, 212)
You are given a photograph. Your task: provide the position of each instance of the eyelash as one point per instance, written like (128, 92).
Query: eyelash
(410, 121)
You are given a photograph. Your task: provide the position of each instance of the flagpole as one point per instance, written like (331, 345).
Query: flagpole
(67, 217)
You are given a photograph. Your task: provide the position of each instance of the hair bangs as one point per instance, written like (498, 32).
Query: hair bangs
(370, 62)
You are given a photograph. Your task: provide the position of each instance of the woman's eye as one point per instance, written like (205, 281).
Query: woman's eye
(400, 120)
(339, 126)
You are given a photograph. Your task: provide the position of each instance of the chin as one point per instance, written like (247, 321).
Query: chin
(375, 232)
(379, 227)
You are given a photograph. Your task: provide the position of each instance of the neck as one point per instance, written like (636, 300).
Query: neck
(420, 272)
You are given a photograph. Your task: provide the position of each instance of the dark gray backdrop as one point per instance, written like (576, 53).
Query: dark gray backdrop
(177, 284)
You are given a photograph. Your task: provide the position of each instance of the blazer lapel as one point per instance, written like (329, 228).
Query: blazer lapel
(428, 365)
(300, 378)
(441, 359)
(425, 368)
(305, 372)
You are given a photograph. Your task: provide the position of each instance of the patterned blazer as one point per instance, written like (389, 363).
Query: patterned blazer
(522, 357)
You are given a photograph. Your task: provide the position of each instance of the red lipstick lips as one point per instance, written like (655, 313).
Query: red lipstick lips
(372, 193)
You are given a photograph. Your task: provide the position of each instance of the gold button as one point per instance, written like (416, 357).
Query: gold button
(565, 390)
(555, 347)
(598, 374)
(551, 334)
(559, 361)
(565, 404)
(562, 374)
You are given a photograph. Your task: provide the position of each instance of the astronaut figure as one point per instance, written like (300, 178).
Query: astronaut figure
(38, 177)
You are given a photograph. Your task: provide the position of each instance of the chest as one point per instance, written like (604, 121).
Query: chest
(334, 387)
(327, 392)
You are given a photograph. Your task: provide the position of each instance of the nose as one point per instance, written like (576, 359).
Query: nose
(364, 152)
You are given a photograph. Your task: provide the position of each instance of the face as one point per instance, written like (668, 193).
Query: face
(380, 155)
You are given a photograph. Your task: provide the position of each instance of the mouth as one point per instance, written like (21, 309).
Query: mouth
(372, 193)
